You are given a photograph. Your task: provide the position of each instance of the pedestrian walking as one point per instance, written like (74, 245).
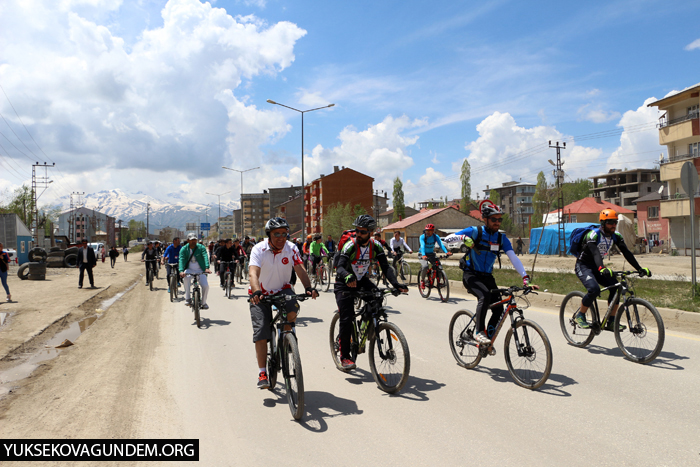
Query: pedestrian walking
(126, 252)
(113, 255)
(519, 246)
(103, 253)
(4, 267)
(86, 261)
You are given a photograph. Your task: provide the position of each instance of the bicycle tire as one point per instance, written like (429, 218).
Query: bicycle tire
(227, 285)
(334, 340)
(196, 304)
(443, 286)
(527, 370)
(325, 280)
(423, 289)
(396, 358)
(464, 347)
(406, 272)
(150, 279)
(273, 365)
(632, 341)
(573, 334)
(294, 377)
(173, 287)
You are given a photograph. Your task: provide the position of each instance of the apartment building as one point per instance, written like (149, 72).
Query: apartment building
(82, 223)
(623, 187)
(516, 200)
(679, 131)
(226, 226)
(256, 212)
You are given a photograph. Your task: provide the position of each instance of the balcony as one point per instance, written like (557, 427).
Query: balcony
(307, 196)
(663, 122)
(678, 157)
(686, 128)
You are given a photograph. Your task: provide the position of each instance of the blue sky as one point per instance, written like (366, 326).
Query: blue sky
(155, 96)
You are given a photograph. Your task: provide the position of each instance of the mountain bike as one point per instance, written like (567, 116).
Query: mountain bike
(379, 277)
(404, 270)
(173, 281)
(321, 280)
(228, 278)
(196, 296)
(643, 338)
(434, 277)
(389, 357)
(283, 352)
(527, 350)
(150, 272)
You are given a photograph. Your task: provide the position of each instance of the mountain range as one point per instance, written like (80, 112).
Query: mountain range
(127, 206)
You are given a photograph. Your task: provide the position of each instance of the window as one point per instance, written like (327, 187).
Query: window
(653, 212)
(693, 149)
(693, 110)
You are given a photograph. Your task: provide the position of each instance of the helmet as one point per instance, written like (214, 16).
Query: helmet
(365, 221)
(488, 208)
(607, 214)
(429, 227)
(308, 237)
(276, 223)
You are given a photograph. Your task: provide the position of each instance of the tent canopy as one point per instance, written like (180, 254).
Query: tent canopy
(548, 246)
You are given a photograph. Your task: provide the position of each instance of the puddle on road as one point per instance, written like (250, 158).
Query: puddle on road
(111, 301)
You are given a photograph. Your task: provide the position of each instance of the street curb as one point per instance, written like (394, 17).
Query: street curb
(554, 300)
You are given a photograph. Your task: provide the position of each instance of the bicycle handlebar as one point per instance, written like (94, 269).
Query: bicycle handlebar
(377, 293)
(273, 299)
(513, 289)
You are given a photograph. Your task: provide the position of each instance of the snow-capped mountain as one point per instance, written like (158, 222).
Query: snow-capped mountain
(176, 213)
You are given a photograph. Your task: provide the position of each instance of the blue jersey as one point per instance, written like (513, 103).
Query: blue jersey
(481, 259)
(427, 245)
(172, 254)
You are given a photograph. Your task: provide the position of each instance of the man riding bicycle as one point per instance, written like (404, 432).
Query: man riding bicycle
(172, 256)
(194, 259)
(316, 250)
(227, 254)
(271, 263)
(591, 271)
(397, 245)
(485, 244)
(426, 252)
(149, 256)
(353, 263)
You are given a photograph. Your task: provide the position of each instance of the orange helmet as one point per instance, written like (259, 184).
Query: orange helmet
(608, 215)
(308, 237)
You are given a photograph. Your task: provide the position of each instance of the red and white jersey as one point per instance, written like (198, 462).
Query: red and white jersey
(275, 268)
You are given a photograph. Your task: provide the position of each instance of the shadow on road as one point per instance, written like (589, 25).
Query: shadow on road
(207, 323)
(304, 321)
(664, 360)
(319, 407)
(503, 376)
(416, 389)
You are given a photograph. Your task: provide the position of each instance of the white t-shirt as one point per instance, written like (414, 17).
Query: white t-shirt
(193, 267)
(275, 269)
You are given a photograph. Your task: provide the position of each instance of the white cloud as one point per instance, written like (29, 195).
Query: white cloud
(432, 184)
(596, 114)
(637, 147)
(434, 159)
(693, 45)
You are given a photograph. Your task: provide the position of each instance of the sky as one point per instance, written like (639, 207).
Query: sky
(156, 96)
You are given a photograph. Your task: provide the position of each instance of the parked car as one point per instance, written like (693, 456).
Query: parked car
(456, 246)
(12, 253)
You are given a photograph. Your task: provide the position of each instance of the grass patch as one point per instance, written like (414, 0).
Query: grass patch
(667, 294)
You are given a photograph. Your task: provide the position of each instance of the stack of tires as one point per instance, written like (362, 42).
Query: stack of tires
(35, 270)
(55, 257)
(70, 259)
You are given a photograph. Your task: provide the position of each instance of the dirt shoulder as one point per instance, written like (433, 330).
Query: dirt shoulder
(41, 308)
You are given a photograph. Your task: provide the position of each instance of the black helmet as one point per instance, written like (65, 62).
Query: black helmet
(275, 223)
(366, 222)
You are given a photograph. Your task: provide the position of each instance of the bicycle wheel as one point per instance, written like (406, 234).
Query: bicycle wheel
(173, 287)
(574, 335)
(195, 305)
(150, 279)
(334, 339)
(239, 271)
(405, 272)
(389, 358)
(422, 284)
(462, 343)
(273, 365)
(227, 285)
(293, 378)
(644, 337)
(443, 286)
(325, 280)
(528, 354)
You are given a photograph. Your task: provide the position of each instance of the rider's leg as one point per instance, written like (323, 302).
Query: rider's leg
(477, 288)
(261, 315)
(345, 302)
(204, 284)
(423, 269)
(222, 273)
(188, 283)
(292, 308)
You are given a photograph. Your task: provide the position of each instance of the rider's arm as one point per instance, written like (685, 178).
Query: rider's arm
(343, 268)
(206, 257)
(627, 253)
(406, 245)
(421, 250)
(439, 242)
(324, 248)
(302, 275)
(592, 246)
(254, 277)
(517, 264)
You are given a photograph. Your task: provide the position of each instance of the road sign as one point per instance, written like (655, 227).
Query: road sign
(689, 178)
(205, 226)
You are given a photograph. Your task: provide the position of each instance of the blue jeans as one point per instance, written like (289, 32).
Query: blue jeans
(3, 277)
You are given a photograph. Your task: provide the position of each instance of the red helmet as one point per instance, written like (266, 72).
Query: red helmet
(430, 227)
(488, 208)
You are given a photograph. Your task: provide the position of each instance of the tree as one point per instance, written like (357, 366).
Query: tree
(340, 217)
(465, 178)
(540, 200)
(399, 206)
(21, 203)
(576, 190)
(495, 197)
(137, 229)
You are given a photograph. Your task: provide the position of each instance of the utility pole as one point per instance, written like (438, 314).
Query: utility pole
(148, 208)
(72, 218)
(559, 175)
(40, 182)
(120, 233)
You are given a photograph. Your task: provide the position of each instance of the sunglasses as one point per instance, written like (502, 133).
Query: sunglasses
(496, 219)
(279, 234)
(611, 222)
(362, 231)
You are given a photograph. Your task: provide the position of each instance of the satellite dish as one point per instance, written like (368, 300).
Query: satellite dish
(661, 189)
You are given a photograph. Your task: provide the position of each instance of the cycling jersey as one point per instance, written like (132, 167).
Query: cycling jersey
(482, 257)
(315, 249)
(397, 244)
(359, 258)
(275, 267)
(427, 245)
(596, 246)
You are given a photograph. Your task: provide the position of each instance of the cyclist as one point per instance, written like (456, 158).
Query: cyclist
(591, 271)
(316, 250)
(194, 260)
(485, 244)
(330, 246)
(397, 245)
(426, 252)
(227, 253)
(150, 253)
(353, 263)
(171, 256)
(305, 251)
(271, 263)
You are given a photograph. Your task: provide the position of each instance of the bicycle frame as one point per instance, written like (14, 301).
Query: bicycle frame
(371, 313)
(620, 294)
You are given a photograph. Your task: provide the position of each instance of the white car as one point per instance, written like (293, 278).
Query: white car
(455, 246)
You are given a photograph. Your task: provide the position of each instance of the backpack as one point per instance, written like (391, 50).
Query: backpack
(351, 236)
(577, 236)
(344, 237)
(479, 247)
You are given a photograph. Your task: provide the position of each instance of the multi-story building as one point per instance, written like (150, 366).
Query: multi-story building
(226, 227)
(623, 187)
(256, 212)
(679, 131)
(516, 201)
(86, 223)
(291, 211)
(343, 186)
(380, 204)
(282, 195)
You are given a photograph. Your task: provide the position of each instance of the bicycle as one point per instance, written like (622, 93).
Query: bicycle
(173, 281)
(404, 269)
(525, 341)
(150, 273)
(283, 352)
(638, 314)
(196, 296)
(321, 278)
(434, 277)
(157, 266)
(228, 278)
(389, 363)
(379, 277)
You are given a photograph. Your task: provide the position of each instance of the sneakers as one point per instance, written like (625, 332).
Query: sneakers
(610, 325)
(580, 320)
(204, 306)
(347, 364)
(263, 382)
(188, 302)
(482, 339)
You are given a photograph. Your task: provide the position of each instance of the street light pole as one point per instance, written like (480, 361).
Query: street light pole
(218, 219)
(303, 187)
(241, 172)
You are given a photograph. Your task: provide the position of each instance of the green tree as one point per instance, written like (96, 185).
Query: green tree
(465, 178)
(21, 203)
(137, 229)
(399, 206)
(508, 224)
(340, 218)
(576, 190)
(540, 200)
(495, 197)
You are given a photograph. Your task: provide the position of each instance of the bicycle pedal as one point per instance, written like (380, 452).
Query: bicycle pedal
(492, 351)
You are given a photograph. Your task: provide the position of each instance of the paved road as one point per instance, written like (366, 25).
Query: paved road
(596, 409)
